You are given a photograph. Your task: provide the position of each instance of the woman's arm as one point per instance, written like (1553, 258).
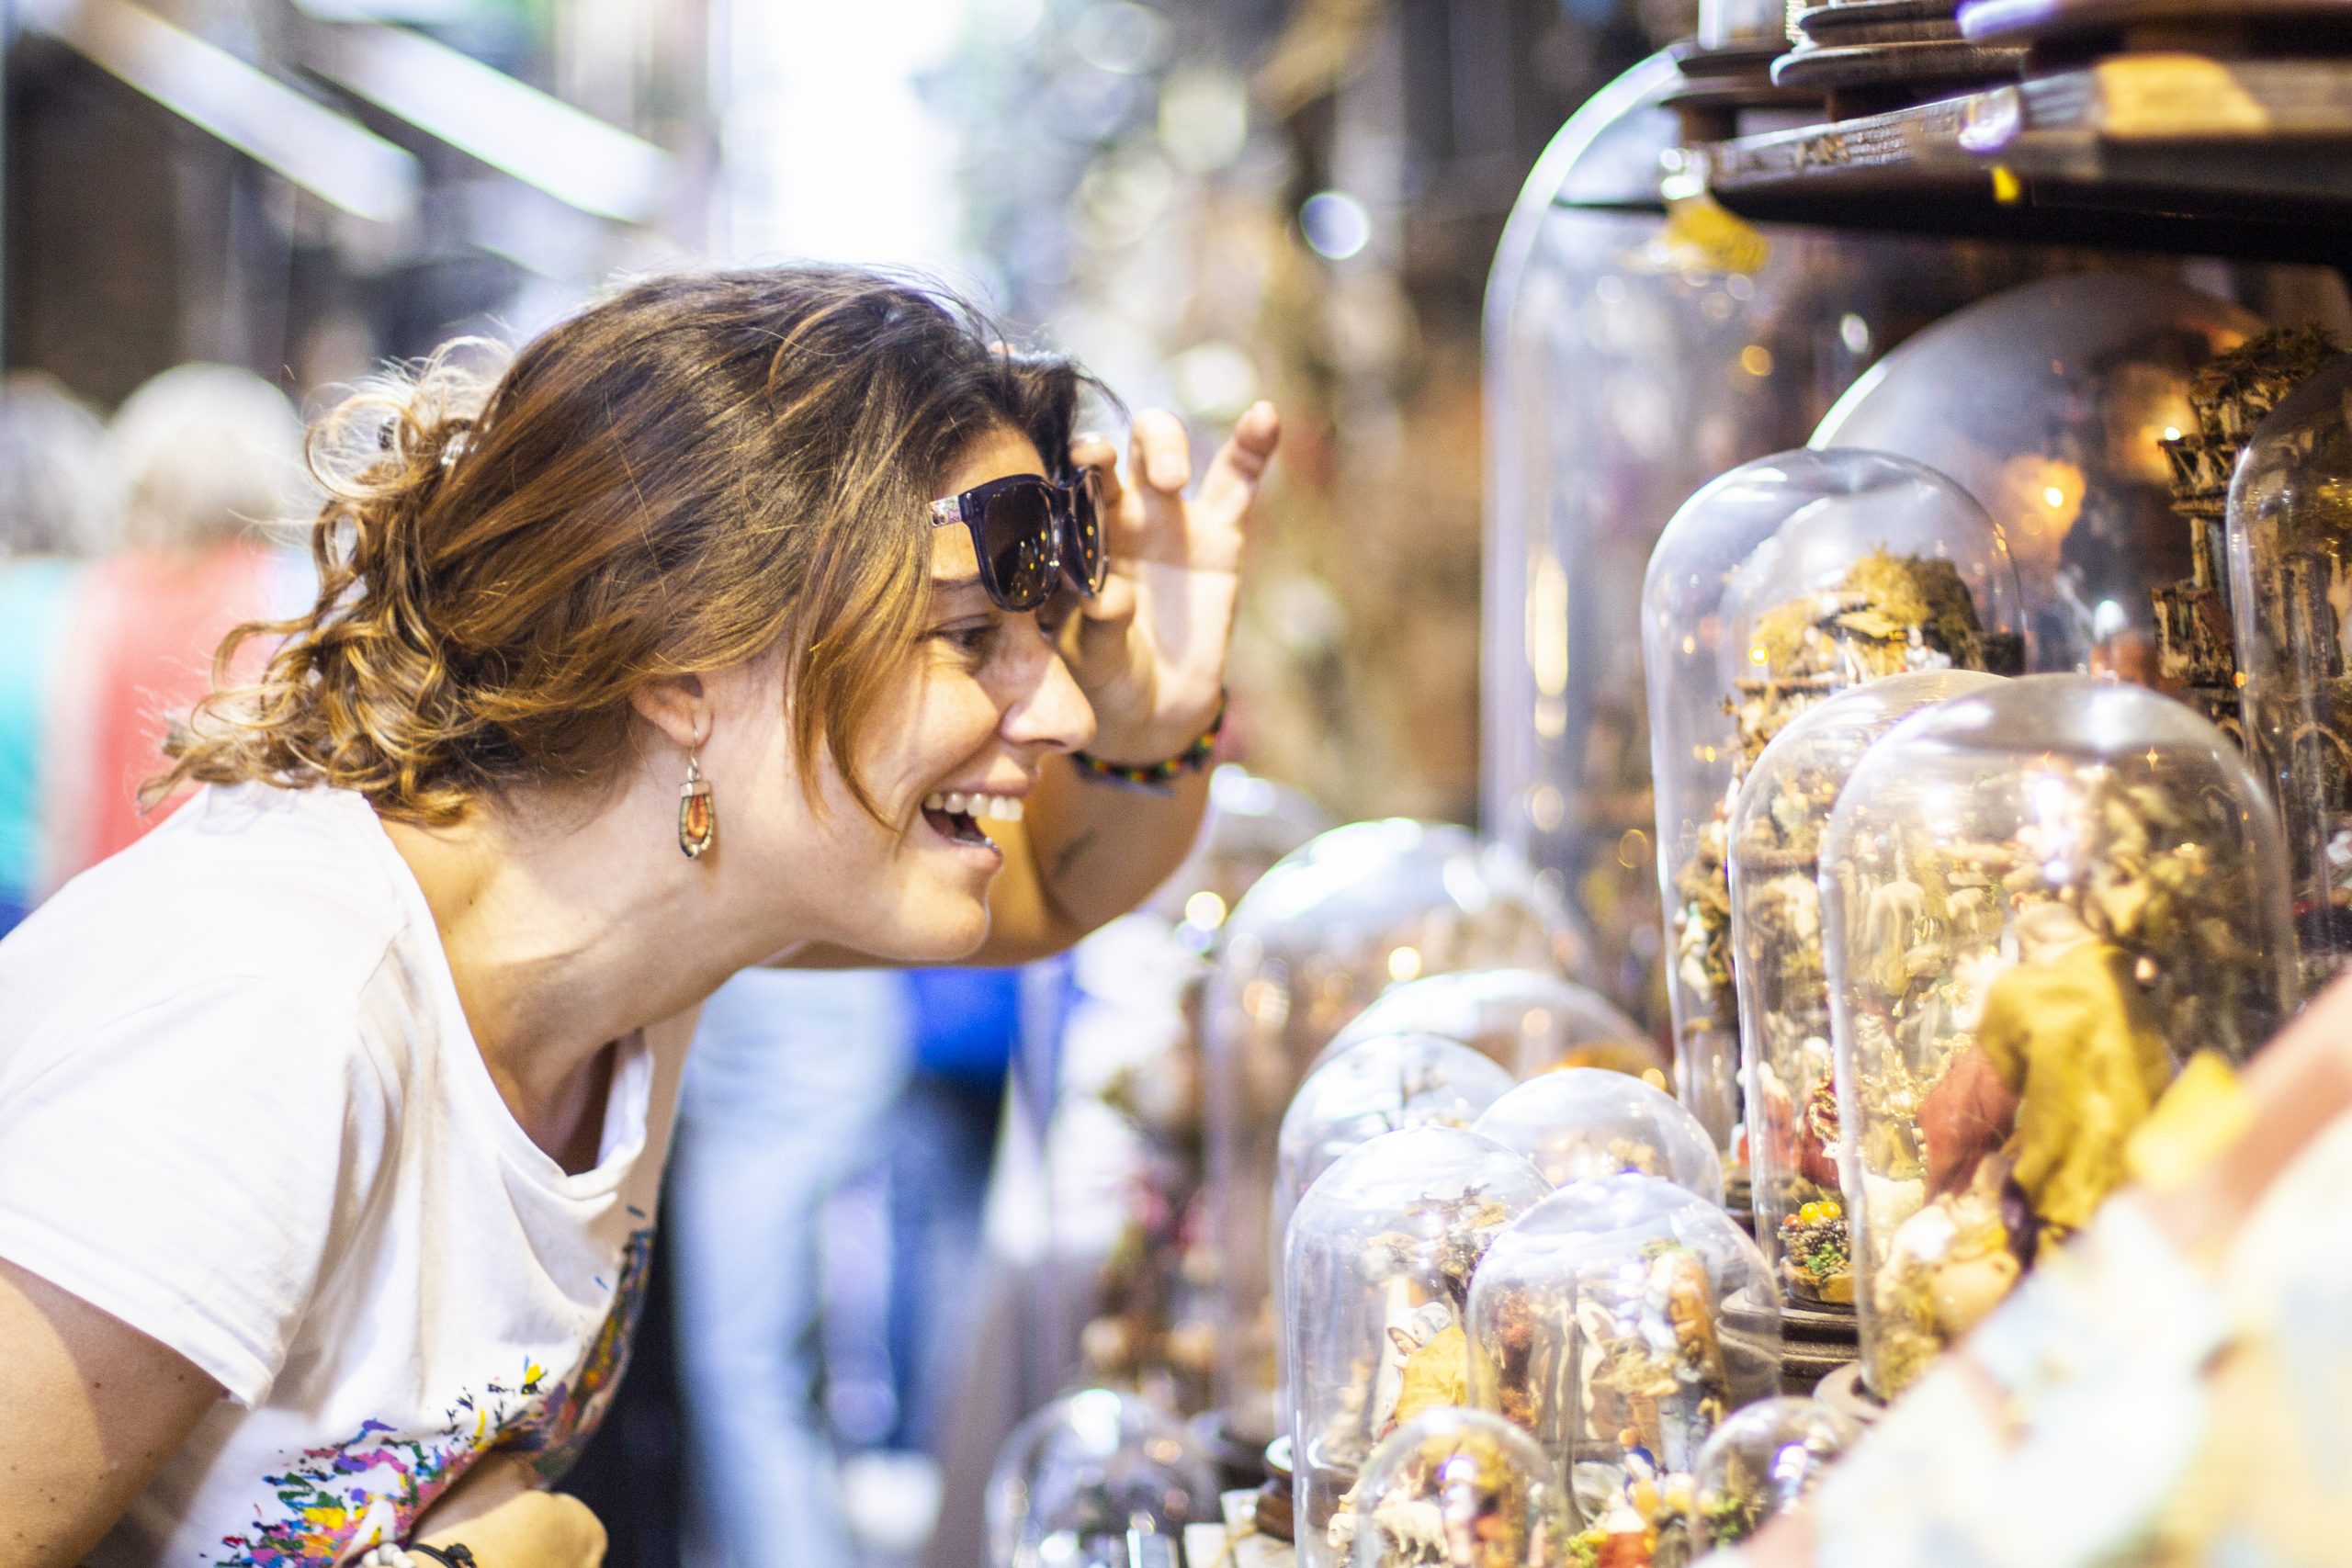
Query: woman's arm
(89, 1410)
(501, 1513)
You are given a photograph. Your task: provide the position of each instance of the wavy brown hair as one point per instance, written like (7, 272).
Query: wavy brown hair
(700, 470)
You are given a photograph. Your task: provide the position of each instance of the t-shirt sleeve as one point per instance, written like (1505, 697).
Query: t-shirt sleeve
(188, 1166)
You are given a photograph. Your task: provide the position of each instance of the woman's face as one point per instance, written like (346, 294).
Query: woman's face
(956, 743)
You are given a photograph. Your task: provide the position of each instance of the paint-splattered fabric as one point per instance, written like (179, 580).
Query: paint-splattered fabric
(240, 1110)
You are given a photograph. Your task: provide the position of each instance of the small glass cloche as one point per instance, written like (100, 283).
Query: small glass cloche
(1378, 1084)
(2290, 582)
(1080, 1478)
(1776, 829)
(1301, 954)
(1454, 1488)
(2038, 901)
(1619, 1322)
(1763, 1459)
(1785, 580)
(1377, 1270)
(1581, 1123)
(1529, 1020)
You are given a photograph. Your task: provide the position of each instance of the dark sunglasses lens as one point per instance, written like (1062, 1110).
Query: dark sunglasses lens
(1019, 564)
(1090, 559)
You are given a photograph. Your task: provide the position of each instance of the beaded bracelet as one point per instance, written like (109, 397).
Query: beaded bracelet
(1156, 776)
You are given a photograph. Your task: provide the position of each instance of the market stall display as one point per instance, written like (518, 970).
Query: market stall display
(1454, 1488)
(1619, 1322)
(2039, 900)
(1581, 1123)
(2291, 579)
(1786, 1060)
(1097, 1479)
(1783, 582)
(1762, 1460)
(1313, 941)
(1529, 1020)
(1378, 1268)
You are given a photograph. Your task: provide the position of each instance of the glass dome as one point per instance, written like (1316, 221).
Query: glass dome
(2037, 900)
(1377, 1268)
(1081, 1478)
(1581, 1123)
(1304, 951)
(1763, 1459)
(1453, 1488)
(1785, 1061)
(1529, 1020)
(2290, 582)
(1376, 1084)
(1784, 581)
(1250, 824)
(1625, 367)
(1619, 1322)
(2050, 404)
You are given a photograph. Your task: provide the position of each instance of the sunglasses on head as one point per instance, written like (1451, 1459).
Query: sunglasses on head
(1030, 534)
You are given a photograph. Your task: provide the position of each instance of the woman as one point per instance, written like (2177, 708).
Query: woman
(332, 1113)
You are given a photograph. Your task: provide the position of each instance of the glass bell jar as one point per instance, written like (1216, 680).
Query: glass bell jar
(1581, 1123)
(1454, 1488)
(2291, 581)
(1785, 580)
(1528, 1020)
(2038, 901)
(1097, 1479)
(1786, 1062)
(1762, 1461)
(1376, 1084)
(1619, 1322)
(1377, 1268)
(2050, 403)
(1304, 951)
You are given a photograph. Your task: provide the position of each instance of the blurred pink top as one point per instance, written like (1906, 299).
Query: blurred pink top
(149, 627)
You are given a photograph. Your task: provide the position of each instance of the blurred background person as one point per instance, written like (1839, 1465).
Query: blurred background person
(57, 510)
(210, 460)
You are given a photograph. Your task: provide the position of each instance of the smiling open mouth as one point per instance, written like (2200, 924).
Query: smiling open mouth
(956, 814)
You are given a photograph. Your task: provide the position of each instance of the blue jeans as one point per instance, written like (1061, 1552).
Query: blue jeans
(785, 1092)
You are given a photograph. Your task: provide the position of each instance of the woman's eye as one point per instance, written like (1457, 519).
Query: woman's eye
(971, 639)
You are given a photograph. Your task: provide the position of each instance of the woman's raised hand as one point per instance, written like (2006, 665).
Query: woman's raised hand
(1150, 649)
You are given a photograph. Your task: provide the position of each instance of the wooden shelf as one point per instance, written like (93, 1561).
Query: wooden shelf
(2171, 152)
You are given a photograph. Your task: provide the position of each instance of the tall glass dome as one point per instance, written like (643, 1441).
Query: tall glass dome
(1785, 1057)
(2049, 403)
(1786, 580)
(2291, 581)
(1304, 950)
(1626, 364)
(1529, 1020)
(1379, 1261)
(2039, 901)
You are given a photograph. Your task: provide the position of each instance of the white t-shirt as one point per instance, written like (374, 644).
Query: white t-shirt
(240, 1111)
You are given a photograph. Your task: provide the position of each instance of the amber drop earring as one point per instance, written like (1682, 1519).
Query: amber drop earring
(697, 816)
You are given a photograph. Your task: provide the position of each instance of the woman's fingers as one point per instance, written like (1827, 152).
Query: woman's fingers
(1159, 459)
(1096, 452)
(1233, 477)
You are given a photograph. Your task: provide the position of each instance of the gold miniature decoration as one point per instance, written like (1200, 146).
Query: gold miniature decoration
(2040, 901)
(2291, 584)
(2196, 652)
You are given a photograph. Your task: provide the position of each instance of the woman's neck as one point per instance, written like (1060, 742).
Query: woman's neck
(564, 934)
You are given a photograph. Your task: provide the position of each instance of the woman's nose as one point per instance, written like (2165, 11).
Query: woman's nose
(1050, 711)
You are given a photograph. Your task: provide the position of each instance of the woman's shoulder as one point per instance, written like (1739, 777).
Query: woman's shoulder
(281, 889)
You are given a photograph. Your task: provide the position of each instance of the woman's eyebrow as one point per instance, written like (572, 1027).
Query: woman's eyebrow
(950, 584)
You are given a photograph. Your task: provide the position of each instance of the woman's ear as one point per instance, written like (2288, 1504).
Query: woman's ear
(677, 707)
